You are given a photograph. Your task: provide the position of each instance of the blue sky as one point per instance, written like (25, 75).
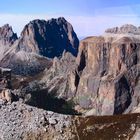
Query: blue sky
(88, 17)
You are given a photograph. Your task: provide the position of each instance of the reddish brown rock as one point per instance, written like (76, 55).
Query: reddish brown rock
(105, 69)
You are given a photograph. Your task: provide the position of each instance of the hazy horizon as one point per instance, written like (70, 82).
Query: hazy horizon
(88, 17)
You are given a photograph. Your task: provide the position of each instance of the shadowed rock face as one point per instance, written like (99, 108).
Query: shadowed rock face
(49, 38)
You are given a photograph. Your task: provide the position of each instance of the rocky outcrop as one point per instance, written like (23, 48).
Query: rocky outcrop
(57, 82)
(108, 70)
(6, 95)
(24, 63)
(49, 38)
(7, 36)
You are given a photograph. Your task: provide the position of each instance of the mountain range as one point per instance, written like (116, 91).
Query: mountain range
(52, 70)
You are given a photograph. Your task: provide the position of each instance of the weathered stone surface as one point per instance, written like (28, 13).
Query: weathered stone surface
(104, 78)
(57, 82)
(7, 36)
(6, 95)
(21, 122)
(108, 71)
(7, 39)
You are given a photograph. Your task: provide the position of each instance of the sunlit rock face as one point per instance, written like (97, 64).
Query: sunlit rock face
(7, 38)
(108, 72)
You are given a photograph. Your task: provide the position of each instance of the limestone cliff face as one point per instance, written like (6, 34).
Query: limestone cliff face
(49, 38)
(108, 71)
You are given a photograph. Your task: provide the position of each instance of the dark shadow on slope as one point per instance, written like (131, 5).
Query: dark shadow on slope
(42, 99)
(80, 68)
(122, 95)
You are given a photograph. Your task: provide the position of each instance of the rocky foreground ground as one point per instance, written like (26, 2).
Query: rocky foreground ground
(19, 121)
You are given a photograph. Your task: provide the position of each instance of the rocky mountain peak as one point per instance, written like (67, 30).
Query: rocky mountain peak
(124, 29)
(49, 38)
(7, 36)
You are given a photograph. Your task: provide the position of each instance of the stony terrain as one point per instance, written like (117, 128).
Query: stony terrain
(22, 122)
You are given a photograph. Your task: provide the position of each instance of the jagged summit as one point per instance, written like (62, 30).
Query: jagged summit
(124, 29)
(49, 38)
(7, 36)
